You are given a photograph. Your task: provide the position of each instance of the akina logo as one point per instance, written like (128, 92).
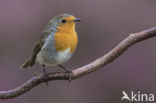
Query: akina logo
(137, 97)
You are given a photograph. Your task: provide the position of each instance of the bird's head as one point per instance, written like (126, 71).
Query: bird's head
(64, 22)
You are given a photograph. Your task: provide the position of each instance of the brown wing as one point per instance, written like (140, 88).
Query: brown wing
(30, 62)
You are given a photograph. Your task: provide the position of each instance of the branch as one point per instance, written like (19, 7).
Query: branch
(82, 71)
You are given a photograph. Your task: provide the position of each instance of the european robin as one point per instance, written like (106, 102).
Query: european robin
(57, 43)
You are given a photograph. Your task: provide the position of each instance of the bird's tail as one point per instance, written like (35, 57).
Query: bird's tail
(28, 63)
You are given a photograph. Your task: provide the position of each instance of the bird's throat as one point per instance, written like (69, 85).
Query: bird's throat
(65, 39)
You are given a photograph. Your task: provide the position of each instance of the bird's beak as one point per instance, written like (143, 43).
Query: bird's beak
(77, 20)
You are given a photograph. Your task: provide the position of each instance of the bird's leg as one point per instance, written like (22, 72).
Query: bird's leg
(45, 75)
(67, 70)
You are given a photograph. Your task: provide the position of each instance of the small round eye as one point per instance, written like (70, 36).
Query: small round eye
(63, 21)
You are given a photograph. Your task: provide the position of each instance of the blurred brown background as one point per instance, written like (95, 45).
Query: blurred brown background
(105, 24)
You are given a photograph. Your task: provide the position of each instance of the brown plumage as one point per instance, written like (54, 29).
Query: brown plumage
(31, 61)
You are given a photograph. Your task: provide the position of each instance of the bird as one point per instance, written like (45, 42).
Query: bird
(56, 45)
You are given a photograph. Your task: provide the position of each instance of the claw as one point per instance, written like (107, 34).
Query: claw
(36, 75)
(68, 71)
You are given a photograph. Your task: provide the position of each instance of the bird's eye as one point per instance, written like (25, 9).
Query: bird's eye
(63, 21)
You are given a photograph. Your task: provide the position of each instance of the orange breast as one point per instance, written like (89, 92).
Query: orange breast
(65, 40)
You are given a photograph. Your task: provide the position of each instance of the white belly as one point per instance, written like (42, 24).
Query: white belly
(50, 57)
(63, 56)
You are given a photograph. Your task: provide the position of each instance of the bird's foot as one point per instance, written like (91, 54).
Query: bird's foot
(36, 75)
(68, 71)
(45, 76)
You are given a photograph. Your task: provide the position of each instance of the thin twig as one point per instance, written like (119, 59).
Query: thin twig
(82, 71)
